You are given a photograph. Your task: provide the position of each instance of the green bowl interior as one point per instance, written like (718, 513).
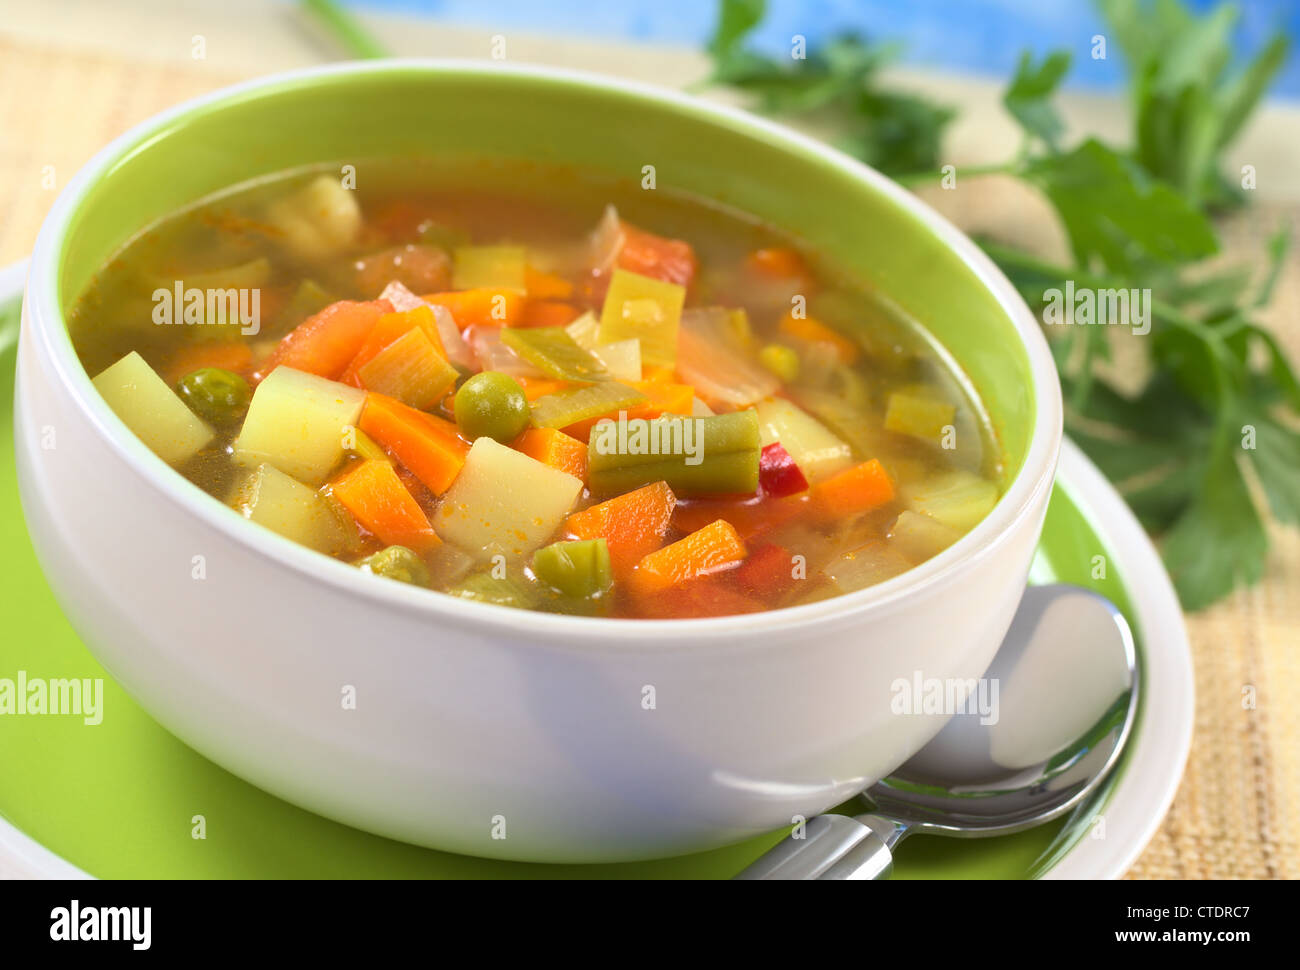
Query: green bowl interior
(575, 123)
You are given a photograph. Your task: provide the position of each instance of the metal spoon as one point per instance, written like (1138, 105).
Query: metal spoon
(1067, 688)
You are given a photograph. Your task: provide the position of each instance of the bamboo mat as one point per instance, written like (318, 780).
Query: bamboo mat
(1235, 814)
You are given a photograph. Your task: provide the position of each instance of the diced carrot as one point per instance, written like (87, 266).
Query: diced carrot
(229, 355)
(814, 331)
(858, 489)
(483, 306)
(702, 553)
(377, 499)
(670, 260)
(661, 398)
(535, 387)
(388, 328)
(750, 515)
(663, 375)
(777, 262)
(633, 524)
(544, 313)
(325, 343)
(703, 597)
(429, 446)
(768, 571)
(546, 286)
(553, 447)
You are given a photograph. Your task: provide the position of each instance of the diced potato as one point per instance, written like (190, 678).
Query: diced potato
(649, 309)
(299, 423)
(920, 417)
(622, 360)
(818, 453)
(504, 503)
(152, 410)
(320, 220)
(271, 498)
(919, 537)
(500, 267)
(957, 498)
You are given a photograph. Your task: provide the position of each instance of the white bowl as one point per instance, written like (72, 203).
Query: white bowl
(480, 729)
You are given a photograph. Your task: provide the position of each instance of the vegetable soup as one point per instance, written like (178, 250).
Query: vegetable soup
(540, 389)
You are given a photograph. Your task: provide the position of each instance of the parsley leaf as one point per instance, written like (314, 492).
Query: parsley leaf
(1028, 96)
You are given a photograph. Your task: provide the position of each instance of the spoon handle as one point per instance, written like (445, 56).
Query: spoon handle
(828, 847)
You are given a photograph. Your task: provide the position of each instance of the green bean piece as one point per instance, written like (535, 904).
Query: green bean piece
(578, 569)
(716, 455)
(216, 395)
(563, 408)
(555, 353)
(399, 563)
(492, 405)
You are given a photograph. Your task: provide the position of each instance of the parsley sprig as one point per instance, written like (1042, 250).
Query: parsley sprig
(1210, 443)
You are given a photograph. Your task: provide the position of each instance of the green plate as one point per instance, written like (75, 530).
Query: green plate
(117, 799)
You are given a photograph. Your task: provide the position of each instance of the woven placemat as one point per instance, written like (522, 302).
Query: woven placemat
(1234, 816)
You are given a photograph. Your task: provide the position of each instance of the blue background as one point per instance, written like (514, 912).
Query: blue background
(979, 36)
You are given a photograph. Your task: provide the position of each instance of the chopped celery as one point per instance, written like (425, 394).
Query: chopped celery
(918, 416)
(410, 370)
(781, 360)
(957, 498)
(270, 498)
(501, 267)
(308, 299)
(717, 455)
(920, 536)
(556, 354)
(585, 330)
(622, 359)
(484, 587)
(645, 308)
(298, 423)
(818, 453)
(574, 404)
(504, 503)
(318, 221)
(363, 446)
(579, 569)
(151, 409)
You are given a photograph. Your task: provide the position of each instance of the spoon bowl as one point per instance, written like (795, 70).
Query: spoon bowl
(1056, 708)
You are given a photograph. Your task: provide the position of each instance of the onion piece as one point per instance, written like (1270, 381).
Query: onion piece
(402, 299)
(722, 371)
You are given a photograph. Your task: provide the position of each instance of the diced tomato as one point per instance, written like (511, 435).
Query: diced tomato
(670, 260)
(769, 570)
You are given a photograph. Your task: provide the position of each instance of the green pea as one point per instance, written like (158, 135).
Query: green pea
(216, 395)
(493, 405)
(399, 563)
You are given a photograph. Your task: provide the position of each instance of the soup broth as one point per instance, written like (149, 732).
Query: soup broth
(539, 388)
